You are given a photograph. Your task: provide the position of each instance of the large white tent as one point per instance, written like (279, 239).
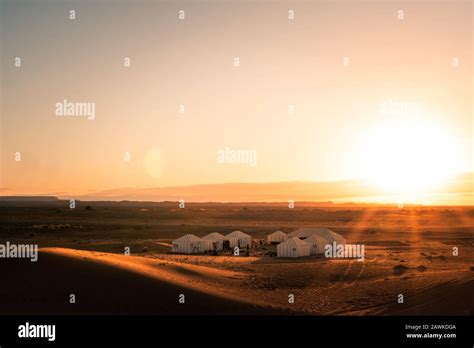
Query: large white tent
(216, 238)
(316, 244)
(239, 238)
(323, 232)
(277, 237)
(293, 247)
(190, 243)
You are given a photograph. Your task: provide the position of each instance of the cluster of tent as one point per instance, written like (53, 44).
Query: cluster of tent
(190, 243)
(302, 242)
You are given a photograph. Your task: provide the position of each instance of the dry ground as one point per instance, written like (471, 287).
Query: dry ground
(408, 252)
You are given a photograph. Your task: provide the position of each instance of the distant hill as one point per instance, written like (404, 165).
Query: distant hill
(28, 199)
(457, 191)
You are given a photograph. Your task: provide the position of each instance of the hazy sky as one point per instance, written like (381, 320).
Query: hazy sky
(283, 62)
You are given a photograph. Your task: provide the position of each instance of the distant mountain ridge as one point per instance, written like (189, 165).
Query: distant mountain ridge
(28, 199)
(458, 191)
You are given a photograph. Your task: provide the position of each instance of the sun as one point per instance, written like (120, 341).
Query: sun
(409, 155)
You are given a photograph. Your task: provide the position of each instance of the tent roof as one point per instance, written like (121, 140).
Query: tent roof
(315, 238)
(295, 241)
(322, 232)
(238, 234)
(214, 235)
(278, 233)
(189, 237)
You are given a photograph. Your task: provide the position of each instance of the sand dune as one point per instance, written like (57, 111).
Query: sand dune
(454, 297)
(114, 284)
(106, 283)
(408, 251)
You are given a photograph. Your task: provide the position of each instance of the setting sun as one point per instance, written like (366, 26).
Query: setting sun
(409, 154)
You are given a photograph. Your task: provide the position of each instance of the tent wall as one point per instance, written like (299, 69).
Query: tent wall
(217, 239)
(241, 242)
(185, 246)
(233, 242)
(317, 245)
(291, 249)
(238, 238)
(204, 245)
(244, 242)
(218, 242)
(190, 244)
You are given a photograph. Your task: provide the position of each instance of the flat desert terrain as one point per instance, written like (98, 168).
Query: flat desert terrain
(408, 252)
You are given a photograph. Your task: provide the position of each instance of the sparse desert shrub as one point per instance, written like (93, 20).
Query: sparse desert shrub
(399, 269)
(145, 249)
(88, 207)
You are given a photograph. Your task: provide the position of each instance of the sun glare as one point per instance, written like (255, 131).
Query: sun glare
(409, 156)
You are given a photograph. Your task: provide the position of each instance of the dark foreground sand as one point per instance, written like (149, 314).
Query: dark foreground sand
(104, 288)
(107, 283)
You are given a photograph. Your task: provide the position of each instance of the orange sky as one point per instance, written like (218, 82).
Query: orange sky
(338, 119)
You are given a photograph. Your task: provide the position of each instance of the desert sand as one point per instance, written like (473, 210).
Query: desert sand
(105, 283)
(408, 251)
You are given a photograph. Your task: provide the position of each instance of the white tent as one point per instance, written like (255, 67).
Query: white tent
(239, 238)
(293, 247)
(216, 238)
(316, 244)
(189, 244)
(323, 232)
(276, 237)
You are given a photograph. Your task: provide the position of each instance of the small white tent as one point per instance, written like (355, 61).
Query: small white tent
(239, 238)
(276, 237)
(293, 247)
(190, 244)
(216, 238)
(316, 244)
(322, 232)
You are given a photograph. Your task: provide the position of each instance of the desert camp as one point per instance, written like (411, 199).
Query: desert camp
(301, 242)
